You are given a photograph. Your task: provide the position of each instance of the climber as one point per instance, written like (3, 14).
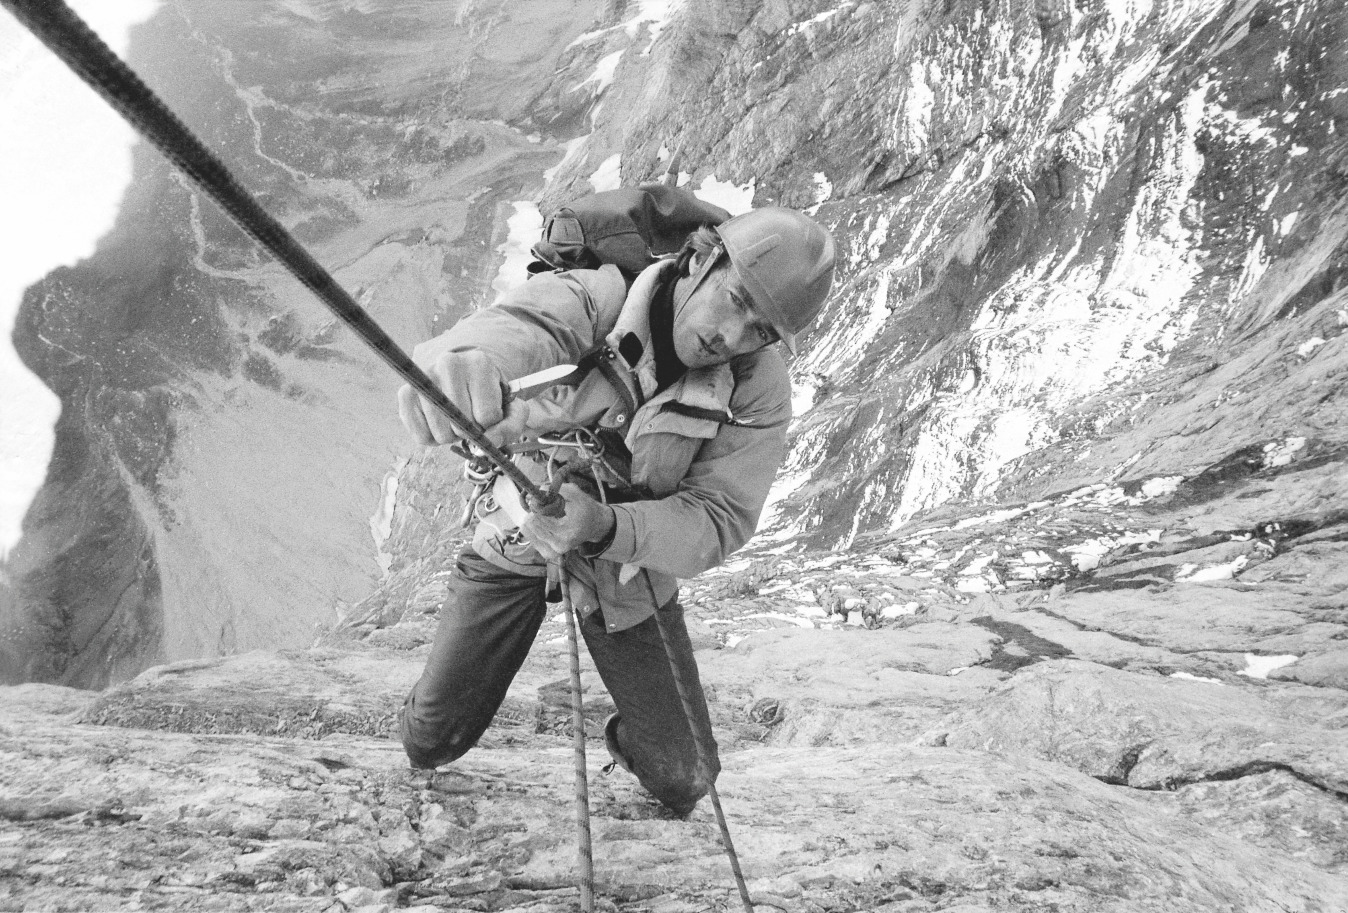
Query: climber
(676, 442)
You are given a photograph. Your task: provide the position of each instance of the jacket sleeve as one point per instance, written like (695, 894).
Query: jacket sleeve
(716, 507)
(552, 319)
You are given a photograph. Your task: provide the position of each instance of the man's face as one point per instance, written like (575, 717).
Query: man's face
(719, 322)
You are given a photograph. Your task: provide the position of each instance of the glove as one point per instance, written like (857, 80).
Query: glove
(585, 520)
(474, 384)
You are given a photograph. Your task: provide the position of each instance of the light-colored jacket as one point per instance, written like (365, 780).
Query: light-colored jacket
(708, 479)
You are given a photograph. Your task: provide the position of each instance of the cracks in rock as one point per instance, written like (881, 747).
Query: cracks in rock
(1029, 648)
(1095, 629)
(1118, 774)
(934, 159)
(1287, 532)
(1249, 769)
(1251, 462)
(1268, 538)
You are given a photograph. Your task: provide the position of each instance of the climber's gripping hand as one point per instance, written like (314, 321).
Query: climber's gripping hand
(471, 382)
(585, 521)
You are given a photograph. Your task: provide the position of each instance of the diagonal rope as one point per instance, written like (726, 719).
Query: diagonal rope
(703, 752)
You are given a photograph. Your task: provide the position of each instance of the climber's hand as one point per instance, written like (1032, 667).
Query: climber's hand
(585, 520)
(472, 383)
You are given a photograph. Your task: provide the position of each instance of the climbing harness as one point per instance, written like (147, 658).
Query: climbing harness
(491, 492)
(487, 466)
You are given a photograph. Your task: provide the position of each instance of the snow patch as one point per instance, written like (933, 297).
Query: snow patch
(976, 566)
(878, 236)
(655, 15)
(1190, 677)
(1261, 666)
(608, 176)
(381, 521)
(802, 397)
(845, 340)
(783, 487)
(823, 192)
(1309, 346)
(918, 105)
(1256, 264)
(1193, 573)
(733, 198)
(523, 229)
(602, 77)
(574, 151)
(823, 17)
(1085, 556)
(782, 616)
(1281, 453)
(895, 610)
(996, 516)
(1159, 487)
(1015, 433)
(1251, 129)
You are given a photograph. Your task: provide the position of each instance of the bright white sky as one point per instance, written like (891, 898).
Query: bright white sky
(65, 158)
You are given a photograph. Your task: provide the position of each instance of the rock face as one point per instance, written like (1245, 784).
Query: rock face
(964, 754)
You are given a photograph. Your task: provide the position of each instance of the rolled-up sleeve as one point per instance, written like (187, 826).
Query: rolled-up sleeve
(716, 507)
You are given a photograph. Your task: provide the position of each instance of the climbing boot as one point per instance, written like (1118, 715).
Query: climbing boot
(611, 743)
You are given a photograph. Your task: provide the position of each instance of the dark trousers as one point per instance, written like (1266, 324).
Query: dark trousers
(487, 626)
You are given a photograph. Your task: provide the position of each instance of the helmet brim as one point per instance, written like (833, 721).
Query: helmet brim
(763, 304)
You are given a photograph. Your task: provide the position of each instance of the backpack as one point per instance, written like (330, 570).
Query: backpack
(629, 228)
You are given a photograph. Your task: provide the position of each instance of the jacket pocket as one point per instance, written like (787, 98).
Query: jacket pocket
(664, 448)
(668, 421)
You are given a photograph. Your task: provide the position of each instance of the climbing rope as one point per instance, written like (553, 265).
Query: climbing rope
(584, 853)
(703, 752)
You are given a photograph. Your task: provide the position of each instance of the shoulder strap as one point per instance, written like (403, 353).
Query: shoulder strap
(711, 415)
(602, 357)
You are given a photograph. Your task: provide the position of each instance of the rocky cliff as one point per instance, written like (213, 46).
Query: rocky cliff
(1050, 611)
